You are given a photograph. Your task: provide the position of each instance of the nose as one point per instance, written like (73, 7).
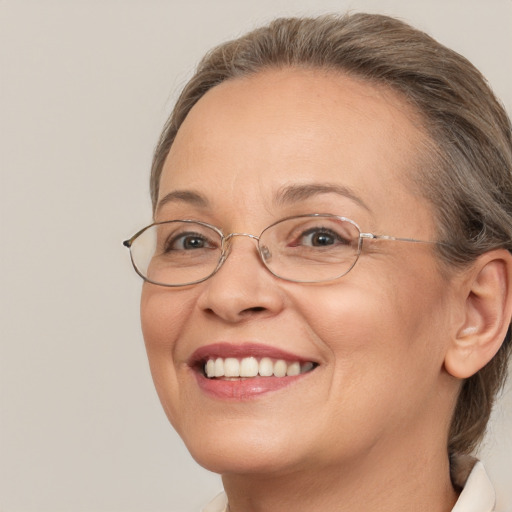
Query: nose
(242, 288)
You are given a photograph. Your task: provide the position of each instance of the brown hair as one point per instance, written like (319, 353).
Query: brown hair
(469, 177)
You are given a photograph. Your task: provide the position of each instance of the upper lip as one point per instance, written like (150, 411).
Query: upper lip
(241, 350)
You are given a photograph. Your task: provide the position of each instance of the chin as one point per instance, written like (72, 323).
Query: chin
(243, 462)
(242, 449)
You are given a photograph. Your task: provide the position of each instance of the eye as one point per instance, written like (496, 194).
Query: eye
(187, 241)
(320, 237)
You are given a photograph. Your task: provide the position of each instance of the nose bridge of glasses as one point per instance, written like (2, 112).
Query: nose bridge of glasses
(227, 245)
(231, 235)
(228, 242)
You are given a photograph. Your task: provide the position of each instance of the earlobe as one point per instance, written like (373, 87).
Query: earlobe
(487, 314)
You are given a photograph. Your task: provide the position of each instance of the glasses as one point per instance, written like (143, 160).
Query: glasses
(311, 248)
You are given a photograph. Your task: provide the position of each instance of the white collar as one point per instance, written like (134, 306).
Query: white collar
(478, 493)
(218, 504)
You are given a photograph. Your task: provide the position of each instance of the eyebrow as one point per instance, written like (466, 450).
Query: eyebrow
(295, 193)
(285, 195)
(185, 196)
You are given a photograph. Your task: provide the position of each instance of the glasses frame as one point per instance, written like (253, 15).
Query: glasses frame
(226, 248)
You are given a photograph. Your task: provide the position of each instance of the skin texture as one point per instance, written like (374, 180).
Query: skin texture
(367, 428)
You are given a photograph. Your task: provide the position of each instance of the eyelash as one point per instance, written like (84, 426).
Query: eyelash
(181, 238)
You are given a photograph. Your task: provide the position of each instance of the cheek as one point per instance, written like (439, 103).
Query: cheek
(385, 355)
(163, 312)
(375, 327)
(163, 315)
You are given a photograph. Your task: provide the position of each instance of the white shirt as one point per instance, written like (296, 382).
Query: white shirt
(477, 496)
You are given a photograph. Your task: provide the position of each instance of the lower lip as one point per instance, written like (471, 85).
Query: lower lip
(244, 389)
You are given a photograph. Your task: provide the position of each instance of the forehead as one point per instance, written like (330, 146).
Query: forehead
(254, 135)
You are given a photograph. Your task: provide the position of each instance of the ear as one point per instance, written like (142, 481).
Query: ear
(487, 312)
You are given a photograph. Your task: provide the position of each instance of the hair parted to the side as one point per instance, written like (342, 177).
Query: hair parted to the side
(468, 178)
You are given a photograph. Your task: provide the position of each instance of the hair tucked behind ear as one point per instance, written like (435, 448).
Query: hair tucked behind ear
(467, 170)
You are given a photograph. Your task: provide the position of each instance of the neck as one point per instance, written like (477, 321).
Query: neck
(405, 483)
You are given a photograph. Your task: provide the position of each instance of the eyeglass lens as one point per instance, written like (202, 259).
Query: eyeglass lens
(304, 249)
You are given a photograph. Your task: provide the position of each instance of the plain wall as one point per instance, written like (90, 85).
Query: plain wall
(85, 87)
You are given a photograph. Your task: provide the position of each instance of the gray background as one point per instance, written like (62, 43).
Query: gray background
(85, 89)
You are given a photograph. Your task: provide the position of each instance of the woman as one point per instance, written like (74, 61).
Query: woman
(327, 293)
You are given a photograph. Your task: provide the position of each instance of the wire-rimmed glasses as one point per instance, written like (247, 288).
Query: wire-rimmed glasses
(311, 248)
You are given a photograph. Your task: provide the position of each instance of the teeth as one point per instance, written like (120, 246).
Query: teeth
(280, 368)
(266, 367)
(306, 367)
(231, 367)
(293, 369)
(209, 369)
(246, 367)
(249, 367)
(219, 367)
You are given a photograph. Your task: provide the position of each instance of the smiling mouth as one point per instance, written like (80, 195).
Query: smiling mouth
(249, 367)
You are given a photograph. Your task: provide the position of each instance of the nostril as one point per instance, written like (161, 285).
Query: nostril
(256, 309)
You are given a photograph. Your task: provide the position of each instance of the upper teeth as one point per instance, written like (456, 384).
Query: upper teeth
(251, 367)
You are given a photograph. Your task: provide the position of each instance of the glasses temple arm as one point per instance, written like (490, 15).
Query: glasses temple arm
(371, 236)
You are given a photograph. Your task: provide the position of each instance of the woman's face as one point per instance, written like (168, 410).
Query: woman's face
(253, 151)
